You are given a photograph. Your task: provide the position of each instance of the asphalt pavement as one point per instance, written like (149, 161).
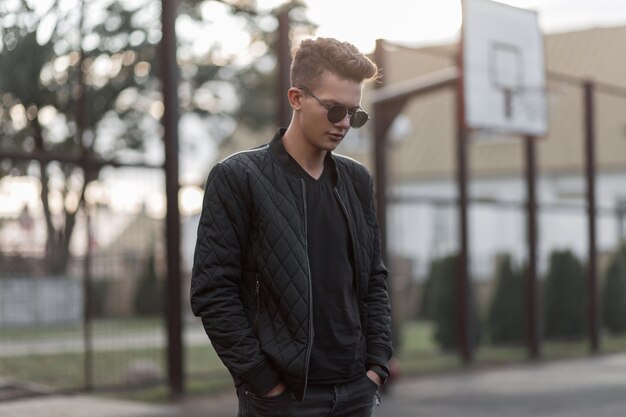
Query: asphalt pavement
(589, 387)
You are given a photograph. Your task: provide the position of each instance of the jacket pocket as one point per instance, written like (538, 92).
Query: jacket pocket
(257, 308)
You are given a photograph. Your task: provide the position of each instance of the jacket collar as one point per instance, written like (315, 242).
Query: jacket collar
(277, 148)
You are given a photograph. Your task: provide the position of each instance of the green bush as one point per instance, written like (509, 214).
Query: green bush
(506, 315)
(614, 293)
(427, 301)
(148, 295)
(564, 297)
(99, 295)
(443, 304)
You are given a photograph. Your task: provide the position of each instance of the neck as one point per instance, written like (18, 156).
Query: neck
(311, 159)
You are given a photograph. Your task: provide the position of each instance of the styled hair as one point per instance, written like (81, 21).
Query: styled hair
(315, 56)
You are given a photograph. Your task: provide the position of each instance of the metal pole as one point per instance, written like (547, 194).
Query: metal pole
(88, 303)
(620, 213)
(592, 279)
(463, 286)
(283, 54)
(388, 102)
(380, 156)
(382, 120)
(81, 124)
(532, 305)
(172, 294)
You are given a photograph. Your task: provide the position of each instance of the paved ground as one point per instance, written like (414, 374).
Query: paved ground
(593, 387)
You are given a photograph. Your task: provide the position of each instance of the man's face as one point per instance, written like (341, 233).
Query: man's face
(331, 90)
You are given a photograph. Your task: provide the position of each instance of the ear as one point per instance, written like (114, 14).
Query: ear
(294, 95)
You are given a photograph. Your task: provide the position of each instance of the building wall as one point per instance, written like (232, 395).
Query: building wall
(423, 223)
(428, 151)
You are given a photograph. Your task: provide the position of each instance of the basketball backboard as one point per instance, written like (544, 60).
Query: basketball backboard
(503, 69)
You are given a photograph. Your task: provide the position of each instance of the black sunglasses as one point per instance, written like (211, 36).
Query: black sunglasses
(358, 116)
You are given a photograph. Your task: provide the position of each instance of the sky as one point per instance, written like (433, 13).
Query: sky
(425, 22)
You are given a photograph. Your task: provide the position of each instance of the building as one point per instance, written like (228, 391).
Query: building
(422, 159)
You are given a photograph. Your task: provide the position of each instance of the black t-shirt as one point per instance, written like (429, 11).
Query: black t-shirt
(338, 353)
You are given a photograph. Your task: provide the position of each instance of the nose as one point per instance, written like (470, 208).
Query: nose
(345, 122)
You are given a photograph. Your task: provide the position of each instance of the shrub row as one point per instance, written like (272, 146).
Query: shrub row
(564, 300)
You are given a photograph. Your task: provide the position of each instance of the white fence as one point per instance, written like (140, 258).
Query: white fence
(40, 301)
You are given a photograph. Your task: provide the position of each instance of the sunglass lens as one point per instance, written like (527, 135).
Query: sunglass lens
(337, 114)
(358, 119)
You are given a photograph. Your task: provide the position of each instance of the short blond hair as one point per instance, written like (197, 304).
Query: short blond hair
(313, 57)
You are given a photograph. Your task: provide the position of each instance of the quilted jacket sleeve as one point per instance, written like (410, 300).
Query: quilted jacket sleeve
(215, 281)
(379, 348)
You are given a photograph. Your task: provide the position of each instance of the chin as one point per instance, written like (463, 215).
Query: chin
(333, 143)
(331, 146)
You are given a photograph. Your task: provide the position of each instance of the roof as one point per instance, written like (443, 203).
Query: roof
(429, 151)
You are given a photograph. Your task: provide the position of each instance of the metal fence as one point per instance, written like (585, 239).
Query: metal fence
(422, 220)
(96, 322)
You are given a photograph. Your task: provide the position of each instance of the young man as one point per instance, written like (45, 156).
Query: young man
(287, 275)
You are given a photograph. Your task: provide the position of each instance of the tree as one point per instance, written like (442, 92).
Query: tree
(445, 306)
(148, 294)
(84, 82)
(249, 75)
(564, 296)
(427, 303)
(506, 317)
(614, 293)
(59, 97)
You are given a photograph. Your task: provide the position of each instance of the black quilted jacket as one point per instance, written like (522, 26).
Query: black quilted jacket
(250, 280)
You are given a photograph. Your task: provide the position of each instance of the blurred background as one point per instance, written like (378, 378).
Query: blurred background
(95, 264)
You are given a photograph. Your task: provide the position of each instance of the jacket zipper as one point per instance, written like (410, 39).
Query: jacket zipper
(353, 238)
(308, 267)
(257, 311)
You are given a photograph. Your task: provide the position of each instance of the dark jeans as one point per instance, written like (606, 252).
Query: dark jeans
(356, 399)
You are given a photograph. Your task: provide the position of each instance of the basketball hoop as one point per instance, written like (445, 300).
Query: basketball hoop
(503, 69)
